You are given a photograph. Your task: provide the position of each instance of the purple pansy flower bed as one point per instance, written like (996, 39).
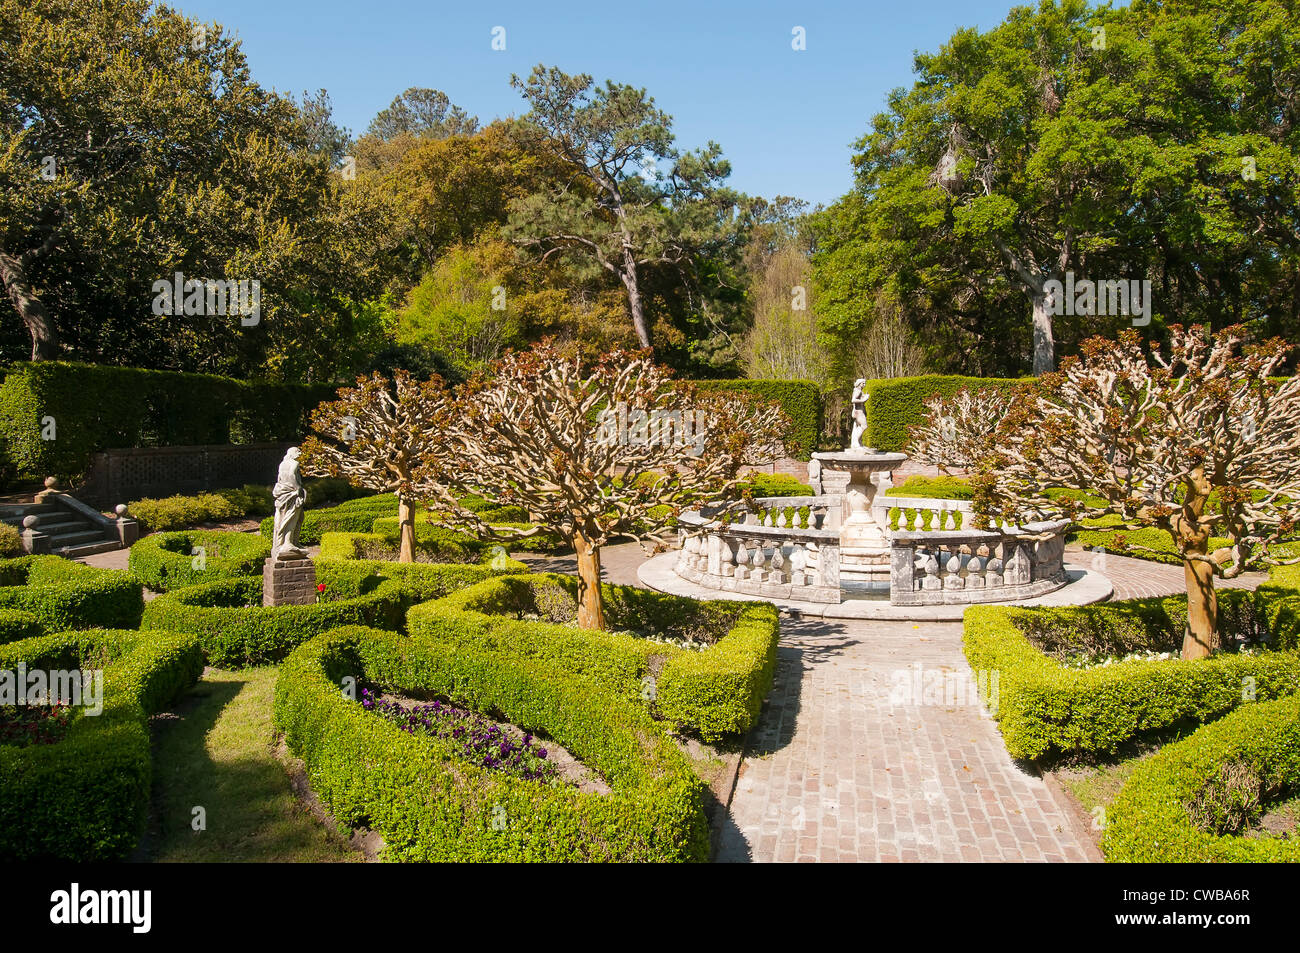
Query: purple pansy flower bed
(479, 740)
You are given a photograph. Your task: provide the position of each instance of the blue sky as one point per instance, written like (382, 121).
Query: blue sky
(724, 71)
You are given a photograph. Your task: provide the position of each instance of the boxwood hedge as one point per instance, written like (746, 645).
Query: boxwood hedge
(801, 401)
(1149, 820)
(1045, 707)
(15, 624)
(431, 805)
(898, 403)
(713, 693)
(235, 629)
(165, 561)
(86, 796)
(68, 595)
(345, 577)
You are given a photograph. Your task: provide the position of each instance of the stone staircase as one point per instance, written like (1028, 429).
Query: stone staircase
(63, 526)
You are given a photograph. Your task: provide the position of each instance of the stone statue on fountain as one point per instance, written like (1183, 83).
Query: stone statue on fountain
(859, 401)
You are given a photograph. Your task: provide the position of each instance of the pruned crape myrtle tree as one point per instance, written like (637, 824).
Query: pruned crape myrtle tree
(1203, 443)
(595, 451)
(387, 436)
(959, 432)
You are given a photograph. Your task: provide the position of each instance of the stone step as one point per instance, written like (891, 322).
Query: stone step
(65, 524)
(74, 537)
(87, 549)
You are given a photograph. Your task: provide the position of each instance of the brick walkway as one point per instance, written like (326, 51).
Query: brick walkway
(854, 759)
(850, 763)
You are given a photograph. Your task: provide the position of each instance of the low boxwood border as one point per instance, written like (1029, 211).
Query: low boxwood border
(16, 624)
(713, 693)
(252, 634)
(1149, 822)
(1046, 708)
(86, 797)
(64, 594)
(427, 527)
(344, 577)
(435, 541)
(430, 805)
(165, 561)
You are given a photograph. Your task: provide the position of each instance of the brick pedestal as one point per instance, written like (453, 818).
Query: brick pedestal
(289, 581)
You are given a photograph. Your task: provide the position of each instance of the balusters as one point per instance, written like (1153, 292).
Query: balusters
(777, 576)
(798, 564)
(726, 560)
(741, 569)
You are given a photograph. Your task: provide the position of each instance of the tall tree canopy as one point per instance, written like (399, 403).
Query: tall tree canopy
(631, 202)
(133, 145)
(1155, 142)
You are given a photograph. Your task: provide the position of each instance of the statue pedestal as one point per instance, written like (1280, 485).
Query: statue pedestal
(288, 581)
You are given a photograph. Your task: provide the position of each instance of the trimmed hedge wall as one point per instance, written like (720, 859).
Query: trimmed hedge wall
(898, 403)
(1045, 707)
(431, 805)
(97, 407)
(165, 561)
(713, 693)
(63, 594)
(15, 625)
(801, 401)
(1149, 821)
(86, 797)
(235, 629)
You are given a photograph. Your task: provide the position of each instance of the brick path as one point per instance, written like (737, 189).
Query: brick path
(844, 766)
(850, 762)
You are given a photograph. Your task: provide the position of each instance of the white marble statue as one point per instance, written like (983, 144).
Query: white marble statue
(290, 498)
(860, 397)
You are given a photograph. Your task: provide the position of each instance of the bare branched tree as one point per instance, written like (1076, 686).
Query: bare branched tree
(593, 452)
(959, 433)
(386, 436)
(1203, 444)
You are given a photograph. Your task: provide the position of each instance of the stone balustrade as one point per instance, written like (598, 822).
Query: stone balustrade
(789, 548)
(773, 553)
(968, 566)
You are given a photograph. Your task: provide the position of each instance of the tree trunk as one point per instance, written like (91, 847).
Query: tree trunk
(1044, 345)
(1201, 637)
(29, 308)
(591, 604)
(634, 303)
(406, 528)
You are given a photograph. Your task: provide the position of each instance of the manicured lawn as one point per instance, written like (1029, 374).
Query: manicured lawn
(219, 755)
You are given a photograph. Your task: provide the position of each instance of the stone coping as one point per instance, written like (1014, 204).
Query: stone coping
(1085, 586)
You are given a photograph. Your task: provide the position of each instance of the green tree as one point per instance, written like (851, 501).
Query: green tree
(462, 307)
(633, 202)
(1108, 143)
(134, 145)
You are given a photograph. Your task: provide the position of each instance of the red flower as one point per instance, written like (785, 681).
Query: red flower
(320, 587)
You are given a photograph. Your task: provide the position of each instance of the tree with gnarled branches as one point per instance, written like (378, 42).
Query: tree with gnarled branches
(386, 436)
(1204, 443)
(597, 451)
(959, 432)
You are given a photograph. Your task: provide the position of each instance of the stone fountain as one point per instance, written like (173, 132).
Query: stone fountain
(839, 553)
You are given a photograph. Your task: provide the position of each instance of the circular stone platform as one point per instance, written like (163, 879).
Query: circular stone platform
(1085, 586)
